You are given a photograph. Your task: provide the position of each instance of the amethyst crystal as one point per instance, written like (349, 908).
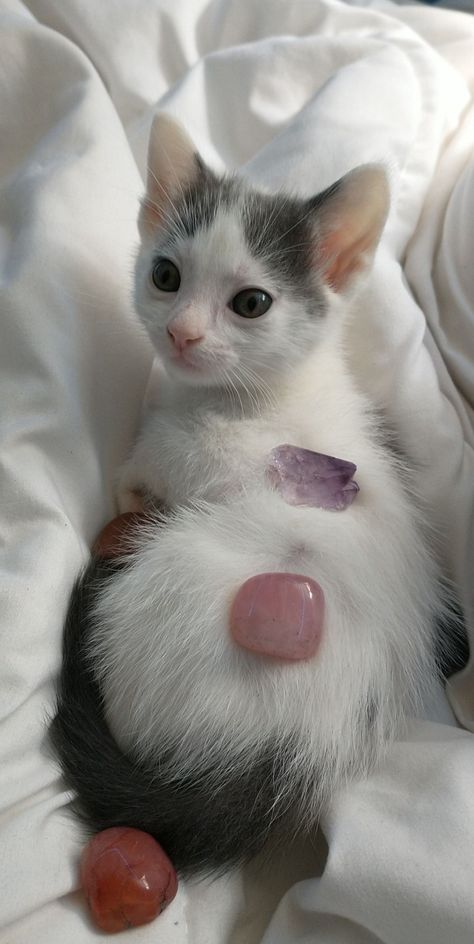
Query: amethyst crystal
(304, 477)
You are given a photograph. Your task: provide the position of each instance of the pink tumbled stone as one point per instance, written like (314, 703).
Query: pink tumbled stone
(279, 615)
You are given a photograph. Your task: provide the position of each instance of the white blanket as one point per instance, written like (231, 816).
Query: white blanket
(297, 91)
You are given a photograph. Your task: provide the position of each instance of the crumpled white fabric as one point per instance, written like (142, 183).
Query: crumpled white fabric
(297, 93)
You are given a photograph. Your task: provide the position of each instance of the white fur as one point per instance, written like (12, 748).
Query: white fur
(171, 674)
(169, 668)
(215, 265)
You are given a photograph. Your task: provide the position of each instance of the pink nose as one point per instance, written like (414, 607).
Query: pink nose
(183, 336)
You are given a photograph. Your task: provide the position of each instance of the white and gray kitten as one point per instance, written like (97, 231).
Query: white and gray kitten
(245, 296)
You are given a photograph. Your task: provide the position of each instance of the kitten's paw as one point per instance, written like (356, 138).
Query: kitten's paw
(130, 499)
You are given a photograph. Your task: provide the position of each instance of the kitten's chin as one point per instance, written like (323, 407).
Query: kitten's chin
(193, 375)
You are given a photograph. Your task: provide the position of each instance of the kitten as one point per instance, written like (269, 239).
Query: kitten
(245, 296)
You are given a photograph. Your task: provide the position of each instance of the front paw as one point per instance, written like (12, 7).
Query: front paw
(130, 499)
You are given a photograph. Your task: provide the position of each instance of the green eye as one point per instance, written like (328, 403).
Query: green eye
(251, 303)
(166, 276)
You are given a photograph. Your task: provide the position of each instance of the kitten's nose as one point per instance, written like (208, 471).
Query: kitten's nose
(183, 336)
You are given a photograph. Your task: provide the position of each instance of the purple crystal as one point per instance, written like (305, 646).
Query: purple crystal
(304, 477)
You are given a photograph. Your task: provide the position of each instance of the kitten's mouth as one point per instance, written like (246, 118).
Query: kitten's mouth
(184, 366)
(181, 361)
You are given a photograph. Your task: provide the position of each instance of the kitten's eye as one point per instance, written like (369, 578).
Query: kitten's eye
(165, 276)
(251, 303)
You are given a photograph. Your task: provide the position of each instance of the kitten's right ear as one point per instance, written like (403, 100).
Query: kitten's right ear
(350, 216)
(173, 164)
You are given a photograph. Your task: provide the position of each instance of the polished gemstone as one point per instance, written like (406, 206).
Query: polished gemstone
(304, 477)
(127, 878)
(279, 615)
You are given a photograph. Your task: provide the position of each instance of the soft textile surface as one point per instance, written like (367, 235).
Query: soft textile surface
(297, 92)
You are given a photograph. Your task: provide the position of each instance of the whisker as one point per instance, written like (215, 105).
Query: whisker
(241, 378)
(232, 387)
(175, 221)
(260, 386)
(290, 228)
(274, 215)
(258, 391)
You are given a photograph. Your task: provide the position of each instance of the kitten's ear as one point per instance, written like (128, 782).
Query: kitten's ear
(350, 216)
(173, 164)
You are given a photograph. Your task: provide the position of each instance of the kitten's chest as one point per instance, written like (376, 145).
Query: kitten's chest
(203, 454)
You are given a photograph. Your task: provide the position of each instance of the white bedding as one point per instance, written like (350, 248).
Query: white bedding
(298, 92)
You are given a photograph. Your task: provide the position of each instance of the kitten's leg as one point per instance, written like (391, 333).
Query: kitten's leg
(138, 479)
(129, 499)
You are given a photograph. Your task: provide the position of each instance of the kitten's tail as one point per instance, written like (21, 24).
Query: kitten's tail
(111, 789)
(201, 830)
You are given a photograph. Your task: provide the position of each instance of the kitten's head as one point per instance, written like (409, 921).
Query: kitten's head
(232, 283)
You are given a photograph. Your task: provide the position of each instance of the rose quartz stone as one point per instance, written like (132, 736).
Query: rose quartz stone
(127, 878)
(279, 615)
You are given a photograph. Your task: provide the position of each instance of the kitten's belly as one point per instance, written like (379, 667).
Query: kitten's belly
(163, 628)
(183, 696)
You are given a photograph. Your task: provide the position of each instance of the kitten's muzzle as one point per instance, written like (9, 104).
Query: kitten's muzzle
(183, 337)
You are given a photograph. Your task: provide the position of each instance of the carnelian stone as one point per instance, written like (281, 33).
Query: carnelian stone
(114, 539)
(127, 878)
(279, 615)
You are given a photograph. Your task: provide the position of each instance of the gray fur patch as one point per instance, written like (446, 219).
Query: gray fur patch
(279, 230)
(200, 202)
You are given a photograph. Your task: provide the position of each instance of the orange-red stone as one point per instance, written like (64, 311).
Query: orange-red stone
(279, 615)
(127, 878)
(114, 539)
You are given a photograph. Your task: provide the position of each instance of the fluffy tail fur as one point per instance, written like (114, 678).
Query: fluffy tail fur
(182, 813)
(113, 789)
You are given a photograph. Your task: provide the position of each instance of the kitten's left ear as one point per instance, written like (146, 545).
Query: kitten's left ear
(173, 164)
(350, 216)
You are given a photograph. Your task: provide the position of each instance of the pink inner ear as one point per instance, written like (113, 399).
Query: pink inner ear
(350, 224)
(339, 257)
(172, 165)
